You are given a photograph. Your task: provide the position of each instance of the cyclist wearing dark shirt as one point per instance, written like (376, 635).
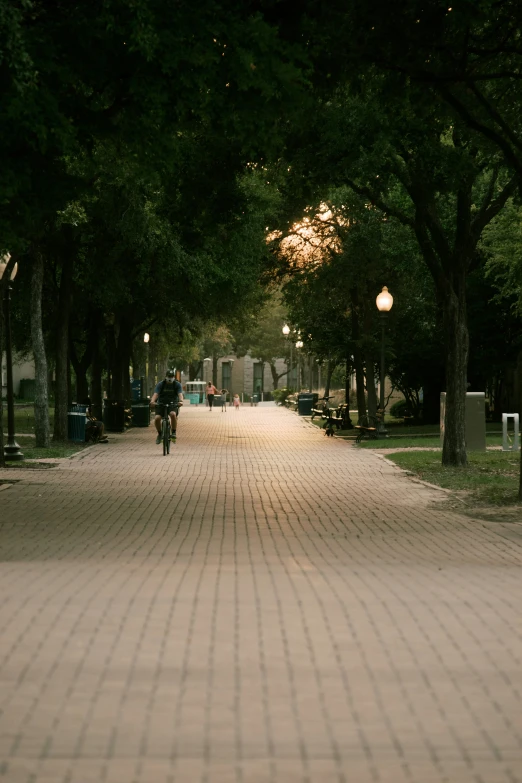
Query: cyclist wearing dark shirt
(168, 392)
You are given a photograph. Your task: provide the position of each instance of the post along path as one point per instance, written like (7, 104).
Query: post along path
(265, 605)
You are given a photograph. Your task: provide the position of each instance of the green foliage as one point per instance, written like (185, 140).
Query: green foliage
(502, 248)
(280, 395)
(399, 409)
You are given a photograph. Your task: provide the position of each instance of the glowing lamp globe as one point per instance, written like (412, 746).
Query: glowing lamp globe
(384, 301)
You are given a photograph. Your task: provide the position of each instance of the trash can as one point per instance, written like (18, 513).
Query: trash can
(305, 403)
(114, 415)
(254, 400)
(141, 413)
(76, 421)
(137, 390)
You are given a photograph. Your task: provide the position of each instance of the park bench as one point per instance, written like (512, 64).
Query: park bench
(291, 402)
(338, 418)
(366, 430)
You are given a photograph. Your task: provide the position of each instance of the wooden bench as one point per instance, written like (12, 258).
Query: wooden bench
(338, 418)
(291, 401)
(365, 432)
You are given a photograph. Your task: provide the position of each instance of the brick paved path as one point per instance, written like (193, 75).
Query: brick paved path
(216, 617)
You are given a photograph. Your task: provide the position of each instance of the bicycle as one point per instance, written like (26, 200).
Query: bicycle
(166, 427)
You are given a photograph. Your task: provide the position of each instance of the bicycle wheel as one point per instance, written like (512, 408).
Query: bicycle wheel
(166, 437)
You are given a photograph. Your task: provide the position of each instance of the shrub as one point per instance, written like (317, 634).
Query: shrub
(399, 409)
(280, 395)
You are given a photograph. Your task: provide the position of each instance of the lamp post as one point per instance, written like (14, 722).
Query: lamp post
(205, 368)
(310, 366)
(298, 345)
(286, 332)
(146, 338)
(384, 304)
(11, 449)
(231, 362)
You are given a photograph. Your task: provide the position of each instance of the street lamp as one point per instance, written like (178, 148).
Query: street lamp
(384, 304)
(298, 345)
(231, 362)
(286, 332)
(205, 367)
(146, 339)
(11, 449)
(310, 371)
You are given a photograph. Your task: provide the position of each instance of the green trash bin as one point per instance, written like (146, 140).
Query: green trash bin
(141, 413)
(254, 399)
(76, 421)
(305, 403)
(114, 415)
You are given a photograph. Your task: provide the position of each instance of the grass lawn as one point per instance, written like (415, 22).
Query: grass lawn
(419, 441)
(491, 478)
(24, 419)
(60, 450)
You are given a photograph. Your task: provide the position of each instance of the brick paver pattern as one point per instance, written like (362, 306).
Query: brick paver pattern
(264, 605)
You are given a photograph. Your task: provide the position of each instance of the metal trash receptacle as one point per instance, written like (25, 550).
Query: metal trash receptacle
(255, 399)
(76, 421)
(305, 404)
(114, 415)
(141, 413)
(137, 390)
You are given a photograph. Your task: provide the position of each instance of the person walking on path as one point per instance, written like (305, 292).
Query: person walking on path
(237, 402)
(224, 393)
(211, 391)
(167, 392)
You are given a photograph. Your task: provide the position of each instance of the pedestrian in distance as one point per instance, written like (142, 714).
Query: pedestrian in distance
(237, 402)
(224, 393)
(211, 391)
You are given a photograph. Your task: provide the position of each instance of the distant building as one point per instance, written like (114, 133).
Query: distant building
(23, 369)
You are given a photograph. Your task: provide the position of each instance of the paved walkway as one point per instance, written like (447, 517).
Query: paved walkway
(265, 605)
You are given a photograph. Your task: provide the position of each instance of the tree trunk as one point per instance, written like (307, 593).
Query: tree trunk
(370, 387)
(348, 374)
(275, 376)
(431, 401)
(457, 345)
(96, 370)
(358, 363)
(194, 370)
(61, 392)
(519, 384)
(120, 366)
(41, 394)
(70, 390)
(214, 369)
(82, 385)
(2, 455)
(329, 372)
(110, 350)
(82, 365)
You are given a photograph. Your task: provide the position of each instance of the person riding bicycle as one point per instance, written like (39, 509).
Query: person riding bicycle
(167, 392)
